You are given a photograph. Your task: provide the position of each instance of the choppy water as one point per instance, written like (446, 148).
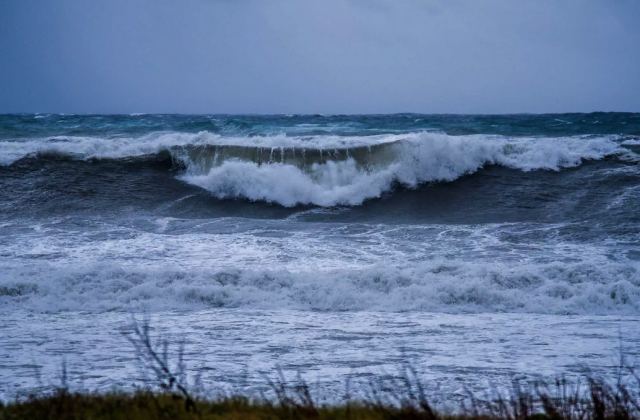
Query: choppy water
(247, 220)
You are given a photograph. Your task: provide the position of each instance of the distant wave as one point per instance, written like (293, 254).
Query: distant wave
(326, 170)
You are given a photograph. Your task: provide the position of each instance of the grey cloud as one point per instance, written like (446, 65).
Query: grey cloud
(330, 56)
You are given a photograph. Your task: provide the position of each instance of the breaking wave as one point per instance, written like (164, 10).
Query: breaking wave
(327, 170)
(440, 286)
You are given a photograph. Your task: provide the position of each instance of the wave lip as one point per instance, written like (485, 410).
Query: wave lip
(80, 147)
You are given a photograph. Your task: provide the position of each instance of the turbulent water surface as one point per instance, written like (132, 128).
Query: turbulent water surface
(322, 243)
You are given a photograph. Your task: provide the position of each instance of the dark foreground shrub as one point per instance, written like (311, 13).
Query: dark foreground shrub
(596, 400)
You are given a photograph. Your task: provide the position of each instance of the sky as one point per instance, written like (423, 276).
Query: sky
(319, 56)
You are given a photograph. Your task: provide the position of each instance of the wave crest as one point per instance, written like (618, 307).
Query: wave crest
(369, 172)
(326, 170)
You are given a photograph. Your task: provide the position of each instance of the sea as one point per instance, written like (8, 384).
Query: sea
(335, 249)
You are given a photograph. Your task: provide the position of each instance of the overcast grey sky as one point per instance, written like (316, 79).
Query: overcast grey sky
(319, 56)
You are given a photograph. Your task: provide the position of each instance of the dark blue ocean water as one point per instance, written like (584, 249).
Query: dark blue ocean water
(42, 125)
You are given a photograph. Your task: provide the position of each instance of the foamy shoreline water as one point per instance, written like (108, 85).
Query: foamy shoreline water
(233, 349)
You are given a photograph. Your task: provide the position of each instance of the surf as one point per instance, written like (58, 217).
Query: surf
(323, 170)
(351, 175)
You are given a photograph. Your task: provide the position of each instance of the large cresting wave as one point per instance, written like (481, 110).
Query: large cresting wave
(327, 170)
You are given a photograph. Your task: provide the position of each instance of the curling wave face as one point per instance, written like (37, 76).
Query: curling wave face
(327, 170)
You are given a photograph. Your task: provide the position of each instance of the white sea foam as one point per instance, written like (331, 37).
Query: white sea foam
(330, 268)
(434, 286)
